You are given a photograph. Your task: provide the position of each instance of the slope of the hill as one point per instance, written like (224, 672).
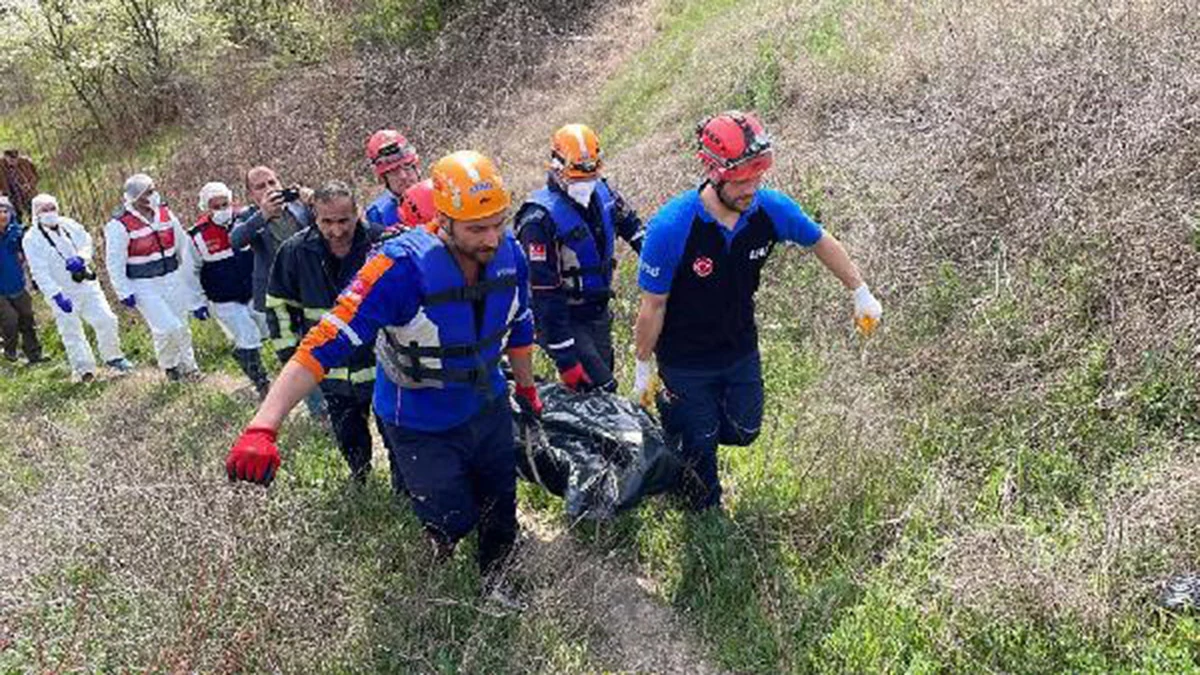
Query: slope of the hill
(999, 481)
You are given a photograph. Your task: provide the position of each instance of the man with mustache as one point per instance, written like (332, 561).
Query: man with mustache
(311, 268)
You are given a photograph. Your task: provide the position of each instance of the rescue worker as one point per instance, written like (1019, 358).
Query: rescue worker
(568, 230)
(700, 268)
(145, 249)
(59, 251)
(310, 270)
(398, 167)
(17, 321)
(417, 208)
(446, 307)
(224, 276)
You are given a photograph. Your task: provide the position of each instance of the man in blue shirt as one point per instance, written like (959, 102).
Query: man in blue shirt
(568, 230)
(16, 306)
(443, 308)
(700, 268)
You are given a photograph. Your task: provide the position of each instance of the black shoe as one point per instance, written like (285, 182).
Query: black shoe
(34, 360)
(442, 551)
(121, 365)
(10, 357)
(173, 374)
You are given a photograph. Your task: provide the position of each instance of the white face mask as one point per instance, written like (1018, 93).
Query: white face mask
(223, 216)
(581, 191)
(49, 219)
(155, 200)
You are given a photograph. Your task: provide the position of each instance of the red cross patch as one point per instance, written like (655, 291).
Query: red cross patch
(537, 252)
(702, 266)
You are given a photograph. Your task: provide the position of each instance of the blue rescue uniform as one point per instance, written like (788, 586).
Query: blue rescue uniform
(384, 212)
(571, 260)
(439, 388)
(708, 350)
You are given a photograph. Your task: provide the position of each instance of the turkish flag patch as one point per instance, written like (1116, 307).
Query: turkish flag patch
(702, 266)
(537, 252)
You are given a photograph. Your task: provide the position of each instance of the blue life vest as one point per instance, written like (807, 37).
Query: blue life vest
(586, 266)
(384, 211)
(444, 366)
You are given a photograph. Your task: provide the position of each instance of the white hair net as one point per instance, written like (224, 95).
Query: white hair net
(214, 189)
(42, 200)
(136, 185)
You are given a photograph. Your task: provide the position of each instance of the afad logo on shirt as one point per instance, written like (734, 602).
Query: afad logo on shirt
(537, 252)
(702, 266)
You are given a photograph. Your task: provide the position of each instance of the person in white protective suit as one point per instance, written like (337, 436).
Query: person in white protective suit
(224, 276)
(146, 258)
(59, 252)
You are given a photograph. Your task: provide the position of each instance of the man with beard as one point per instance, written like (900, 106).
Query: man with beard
(700, 268)
(444, 308)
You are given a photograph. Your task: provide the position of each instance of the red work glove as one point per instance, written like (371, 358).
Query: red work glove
(253, 456)
(528, 399)
(575, 378)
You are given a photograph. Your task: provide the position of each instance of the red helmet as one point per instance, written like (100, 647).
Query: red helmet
(416, 207)
(733, 146)
(388, 149)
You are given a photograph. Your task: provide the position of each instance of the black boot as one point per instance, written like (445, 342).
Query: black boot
(250, 361)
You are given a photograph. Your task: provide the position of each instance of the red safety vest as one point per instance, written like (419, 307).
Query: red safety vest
(151, 251)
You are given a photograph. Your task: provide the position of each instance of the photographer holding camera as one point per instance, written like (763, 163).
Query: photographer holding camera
(59, 252)
(276, 214)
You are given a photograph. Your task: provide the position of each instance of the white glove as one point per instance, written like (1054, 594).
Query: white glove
(643, 373)
(867, 310)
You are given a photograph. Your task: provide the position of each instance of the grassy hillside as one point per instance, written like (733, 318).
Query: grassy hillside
(998, 482)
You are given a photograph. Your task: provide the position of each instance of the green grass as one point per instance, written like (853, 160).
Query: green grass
(647, 83)
(833, 551)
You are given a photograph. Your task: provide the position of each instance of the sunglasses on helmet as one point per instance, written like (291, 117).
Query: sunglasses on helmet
(393, 151)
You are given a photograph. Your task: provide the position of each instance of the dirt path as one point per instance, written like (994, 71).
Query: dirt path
(638, 633)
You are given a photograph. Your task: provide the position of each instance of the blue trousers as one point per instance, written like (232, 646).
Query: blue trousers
(464, 477)
(707, 408)
(593, 344)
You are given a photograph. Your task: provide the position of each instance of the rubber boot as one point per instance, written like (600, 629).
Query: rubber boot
(250, 361)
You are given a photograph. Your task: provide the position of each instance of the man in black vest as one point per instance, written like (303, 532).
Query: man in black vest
(700, 268)
(311, 268)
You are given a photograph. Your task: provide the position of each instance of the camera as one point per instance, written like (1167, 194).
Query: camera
(289, 194)
(83, 275)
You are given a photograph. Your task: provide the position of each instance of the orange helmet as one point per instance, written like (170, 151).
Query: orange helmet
(466, 186)
(575, 151)
(416, 207)
(733, 146)
(387, 149)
